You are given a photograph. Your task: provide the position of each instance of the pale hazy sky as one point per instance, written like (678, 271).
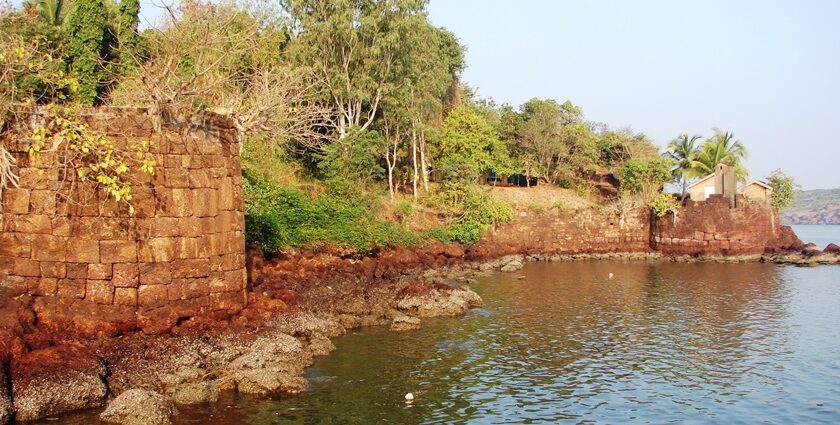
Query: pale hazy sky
(769, 70)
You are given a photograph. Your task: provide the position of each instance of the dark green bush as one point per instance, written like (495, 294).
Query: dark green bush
(279, 217)
(472, 212)
(341, 215)
(356, 157)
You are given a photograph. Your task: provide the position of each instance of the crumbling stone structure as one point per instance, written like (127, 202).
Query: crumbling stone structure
(89, 267)
(714, 227)
(572, 232)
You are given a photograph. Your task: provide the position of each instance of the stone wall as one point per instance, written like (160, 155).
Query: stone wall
(574, 232)
(711, 227)
(90, 268)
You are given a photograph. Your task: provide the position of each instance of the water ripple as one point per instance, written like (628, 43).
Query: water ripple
(665, 343)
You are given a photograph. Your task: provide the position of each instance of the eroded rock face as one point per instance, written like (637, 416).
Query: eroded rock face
(272, 364)
(405, 323)
(195, 392)
(832, 249)
(320, 345)
(439, 302)
(308, 324)
(139, 407)
(56, 380)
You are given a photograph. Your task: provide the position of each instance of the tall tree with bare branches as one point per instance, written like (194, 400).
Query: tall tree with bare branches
(222, 57)
(352, 48)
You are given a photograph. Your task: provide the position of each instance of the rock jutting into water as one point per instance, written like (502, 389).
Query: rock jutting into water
(405, 323)
(55, 380)
(139, 407)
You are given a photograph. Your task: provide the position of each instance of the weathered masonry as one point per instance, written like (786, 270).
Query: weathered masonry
(714, 227)
(92, 269)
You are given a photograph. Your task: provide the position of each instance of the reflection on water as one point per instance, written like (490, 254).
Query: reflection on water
(656, 343)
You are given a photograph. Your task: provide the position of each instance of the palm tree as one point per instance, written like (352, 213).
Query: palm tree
(683, 150)
(722, 148)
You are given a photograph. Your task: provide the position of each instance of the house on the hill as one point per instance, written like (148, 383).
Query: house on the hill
(757, 191)
(723, 182)
(702, 189)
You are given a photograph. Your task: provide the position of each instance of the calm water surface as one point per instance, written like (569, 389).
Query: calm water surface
(695, 343)
(820, 234)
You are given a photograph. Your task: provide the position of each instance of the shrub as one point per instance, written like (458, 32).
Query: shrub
(784, 190)
(664, 203)
(560, 206)
(355, 157)
(405, 209)
(472, 212)
(644, 176)
(278, 217)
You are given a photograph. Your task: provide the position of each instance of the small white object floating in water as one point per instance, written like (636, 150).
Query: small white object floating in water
(611, 275)
(409, 398)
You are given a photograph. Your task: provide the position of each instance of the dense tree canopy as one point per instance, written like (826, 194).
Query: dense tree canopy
(470, 146)
(355, 49)
(87, 36)
(556, 140)
(343, 93)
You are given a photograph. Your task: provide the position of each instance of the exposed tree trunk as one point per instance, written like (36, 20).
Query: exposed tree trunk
(391, 152)
(424, 167)
(414, 154)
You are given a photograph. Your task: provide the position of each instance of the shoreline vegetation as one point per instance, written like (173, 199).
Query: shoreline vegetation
(373, 184)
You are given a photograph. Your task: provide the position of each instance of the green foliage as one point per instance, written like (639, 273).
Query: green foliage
(554, 141)
(784, 190)
(471, 146)
(405, 209)
(94, 157)
(31, 66)
(721, 148)
(355, 157)
(358, 49)
(267, 160)
(683, 151)
(617, 146)
(560, 206)
(50, 11)
(128, 38)
(664, 203)
(471, 210)
(645, 176)
(86, 30)
(280, 217)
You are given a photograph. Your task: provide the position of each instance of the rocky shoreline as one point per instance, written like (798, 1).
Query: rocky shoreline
(149, 374)
(297, 305)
